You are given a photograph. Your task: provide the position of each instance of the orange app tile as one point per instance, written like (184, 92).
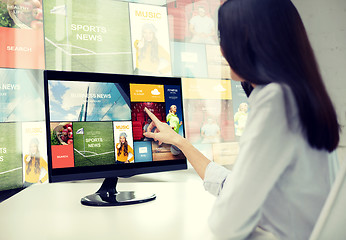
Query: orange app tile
(62, 156)
(147, 93)
(196, 88)
(21, 48)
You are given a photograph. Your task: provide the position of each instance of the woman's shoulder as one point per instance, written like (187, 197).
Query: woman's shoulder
(271, 90)
(272, 93)
(277, 97)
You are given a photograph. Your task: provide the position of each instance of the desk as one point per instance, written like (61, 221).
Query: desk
(53, 211)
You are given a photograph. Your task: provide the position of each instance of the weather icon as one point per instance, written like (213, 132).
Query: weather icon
(155, 92)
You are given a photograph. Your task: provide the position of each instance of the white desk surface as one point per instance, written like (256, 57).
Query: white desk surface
(54, 212)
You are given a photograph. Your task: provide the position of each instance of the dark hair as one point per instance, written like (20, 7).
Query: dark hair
(125, 144)
(265, 41)
(37, 165)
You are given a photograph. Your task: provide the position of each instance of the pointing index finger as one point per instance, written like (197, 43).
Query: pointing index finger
(152, 116)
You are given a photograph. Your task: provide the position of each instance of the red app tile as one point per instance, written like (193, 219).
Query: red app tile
(62, 156)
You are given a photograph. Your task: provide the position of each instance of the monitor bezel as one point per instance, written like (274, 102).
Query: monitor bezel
(106, 171)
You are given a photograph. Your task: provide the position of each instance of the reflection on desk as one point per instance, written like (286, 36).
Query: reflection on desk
(53, 211)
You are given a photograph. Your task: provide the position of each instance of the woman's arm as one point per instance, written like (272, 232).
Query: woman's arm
(165, 133)
(27, 158)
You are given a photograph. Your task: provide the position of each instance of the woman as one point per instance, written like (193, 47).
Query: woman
(124, 151)
(151, 57)
(34, 164)
(173, 119)
(281, 179)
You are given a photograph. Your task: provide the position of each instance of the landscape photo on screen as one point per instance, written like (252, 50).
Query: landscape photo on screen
(88, 101)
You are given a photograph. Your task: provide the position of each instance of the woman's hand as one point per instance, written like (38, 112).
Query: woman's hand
(141, 43)
(163, 132)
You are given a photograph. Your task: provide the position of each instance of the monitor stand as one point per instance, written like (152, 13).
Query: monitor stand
(107, 195)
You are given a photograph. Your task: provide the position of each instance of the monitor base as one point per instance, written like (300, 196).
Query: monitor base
(107, 195)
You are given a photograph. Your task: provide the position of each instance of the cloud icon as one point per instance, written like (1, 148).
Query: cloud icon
(155, 92)
(219, 88)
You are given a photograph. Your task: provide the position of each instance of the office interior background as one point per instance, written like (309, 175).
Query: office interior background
(108, 36)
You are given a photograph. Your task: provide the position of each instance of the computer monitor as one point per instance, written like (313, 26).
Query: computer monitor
(95, 125)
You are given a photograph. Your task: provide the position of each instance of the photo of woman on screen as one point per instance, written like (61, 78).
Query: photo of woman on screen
(124, 150)
(240, 118)
(36, 169)
(151, 57)
(173, 119)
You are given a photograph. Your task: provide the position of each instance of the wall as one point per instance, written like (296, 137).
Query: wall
(325, 22)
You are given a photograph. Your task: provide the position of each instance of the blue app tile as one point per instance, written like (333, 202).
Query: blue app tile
(143, 152)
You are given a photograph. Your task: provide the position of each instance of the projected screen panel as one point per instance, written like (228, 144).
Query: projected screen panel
(214, 123)
(23, 149)
(98, 125)
(21, 35)
(88, 36)
(210, 117)
(150, 40)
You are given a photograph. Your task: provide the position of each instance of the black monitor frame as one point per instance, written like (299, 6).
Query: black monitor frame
(109, 171)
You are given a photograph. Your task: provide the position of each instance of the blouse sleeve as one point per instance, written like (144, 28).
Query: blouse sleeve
(266, 149)
(214, 178)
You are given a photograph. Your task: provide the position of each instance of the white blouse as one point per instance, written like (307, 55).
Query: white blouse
(278, 182)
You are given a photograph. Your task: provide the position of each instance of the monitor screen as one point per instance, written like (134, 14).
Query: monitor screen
(95, 124)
